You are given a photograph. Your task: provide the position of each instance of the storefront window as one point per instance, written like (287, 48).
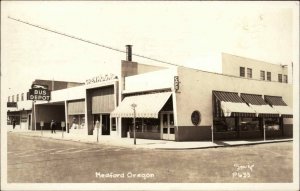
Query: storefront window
(224, 124)
(272, 124)
(77, 121)
(146, 125)
(15, 118)
(249, 124)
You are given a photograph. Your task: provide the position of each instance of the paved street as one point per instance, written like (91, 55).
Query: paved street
(45, 160)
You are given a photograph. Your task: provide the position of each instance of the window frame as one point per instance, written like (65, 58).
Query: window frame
(285, 79)
(280, 78)
(249, 72)
(262, 77)
(269, 76)
(242, 71)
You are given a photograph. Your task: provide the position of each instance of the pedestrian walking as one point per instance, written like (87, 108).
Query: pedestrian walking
(53, 126)
(14, 123)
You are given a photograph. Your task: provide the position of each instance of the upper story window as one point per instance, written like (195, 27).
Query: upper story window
(242, 71)
(285, 78)
(269, 76)
(8, 99)
(249, 73)
(279, 77)
(13, 98)
(22, 97)
(262, 75)
(17, 97)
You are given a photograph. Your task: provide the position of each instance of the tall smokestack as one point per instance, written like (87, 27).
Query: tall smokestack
(129, 53)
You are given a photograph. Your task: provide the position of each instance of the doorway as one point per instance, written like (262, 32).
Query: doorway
(105, 124)
(167, 126)
(104, 120)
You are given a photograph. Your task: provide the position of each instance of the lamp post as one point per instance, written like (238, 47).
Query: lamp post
(133, 107)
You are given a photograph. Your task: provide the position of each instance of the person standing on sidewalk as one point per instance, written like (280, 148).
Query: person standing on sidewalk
(53, 126)
(14, 123)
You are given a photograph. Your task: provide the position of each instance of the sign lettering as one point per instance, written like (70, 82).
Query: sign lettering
(100, 78)
(176, 83)
(39, 92)
(11, 104)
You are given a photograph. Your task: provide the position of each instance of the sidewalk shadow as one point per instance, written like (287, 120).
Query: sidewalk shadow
(221, 143)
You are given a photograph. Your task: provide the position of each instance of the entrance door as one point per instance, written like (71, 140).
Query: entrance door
(167, 126)
(105, 124)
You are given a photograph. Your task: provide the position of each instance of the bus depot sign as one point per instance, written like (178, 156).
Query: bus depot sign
(39, 92)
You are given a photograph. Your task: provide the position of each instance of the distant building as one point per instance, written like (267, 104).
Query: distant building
(19, 107)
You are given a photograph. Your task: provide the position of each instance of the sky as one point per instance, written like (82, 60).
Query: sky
(186, 33)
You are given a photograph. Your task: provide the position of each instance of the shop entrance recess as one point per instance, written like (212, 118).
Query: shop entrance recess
(104, 122)
(167, 125)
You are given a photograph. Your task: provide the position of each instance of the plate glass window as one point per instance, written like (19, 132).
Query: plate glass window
(262, 75)
(242, 71)
(269, 76)
(249, 73)
(279, 77)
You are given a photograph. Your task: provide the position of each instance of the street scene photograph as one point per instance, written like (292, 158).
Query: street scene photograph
(140, 95)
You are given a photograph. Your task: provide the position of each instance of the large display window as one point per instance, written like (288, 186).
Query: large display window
(223, 124)
(249, 124)
(146, 125)
(77, 121)
(272, 124)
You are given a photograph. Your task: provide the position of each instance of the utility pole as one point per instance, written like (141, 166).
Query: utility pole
(134, 115)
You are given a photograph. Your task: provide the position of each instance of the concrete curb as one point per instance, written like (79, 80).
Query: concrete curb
(233, 145)
(157, 148)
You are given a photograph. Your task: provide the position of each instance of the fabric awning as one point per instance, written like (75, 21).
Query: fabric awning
(285, 111)
(148, 105)
(236, 109)
(231, 105)
(280, 106)
(258, 104)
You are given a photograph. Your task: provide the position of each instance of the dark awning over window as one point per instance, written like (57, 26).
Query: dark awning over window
(275, 100)
(261, 108)
(230, 104)
(253, 99)
(279, 105)
(228, 96)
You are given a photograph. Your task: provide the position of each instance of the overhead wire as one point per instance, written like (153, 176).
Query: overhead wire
(90, 42)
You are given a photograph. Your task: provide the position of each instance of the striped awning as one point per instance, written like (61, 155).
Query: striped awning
(231, 105)
(280, 106)
(147, 105)
(236, 109)
(275, 100)
(258, 104)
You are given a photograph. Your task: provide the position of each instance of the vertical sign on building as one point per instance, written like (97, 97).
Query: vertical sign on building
(176, 83)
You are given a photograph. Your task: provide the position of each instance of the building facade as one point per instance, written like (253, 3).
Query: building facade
(178, 103)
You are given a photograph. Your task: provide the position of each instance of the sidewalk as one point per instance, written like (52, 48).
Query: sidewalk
(142, 143)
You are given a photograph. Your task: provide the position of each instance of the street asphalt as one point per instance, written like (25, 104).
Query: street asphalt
(43, 160)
